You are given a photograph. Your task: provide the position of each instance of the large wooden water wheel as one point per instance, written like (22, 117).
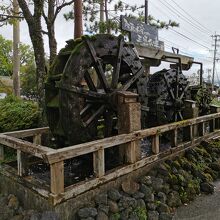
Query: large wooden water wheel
(82, 86)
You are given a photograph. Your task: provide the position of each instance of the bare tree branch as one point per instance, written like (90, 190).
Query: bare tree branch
(44, 32)
(59, 8)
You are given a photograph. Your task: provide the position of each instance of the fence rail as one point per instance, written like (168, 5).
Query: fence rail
(196, 130)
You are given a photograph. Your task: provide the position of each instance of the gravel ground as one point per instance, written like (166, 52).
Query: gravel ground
(204, 207)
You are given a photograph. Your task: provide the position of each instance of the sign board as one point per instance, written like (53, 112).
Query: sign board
(140, 33)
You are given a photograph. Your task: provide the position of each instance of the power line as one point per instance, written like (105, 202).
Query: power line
(191, 16)
(206, 42)
(180, 15)
(188, 38)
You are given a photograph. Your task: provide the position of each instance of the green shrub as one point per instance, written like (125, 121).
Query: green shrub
(17, 114)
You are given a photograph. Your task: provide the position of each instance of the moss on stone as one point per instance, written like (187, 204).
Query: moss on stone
(176, 164)
(115, 216)
(202, 151)
(208, 177)
(173, 179)
(141, 213)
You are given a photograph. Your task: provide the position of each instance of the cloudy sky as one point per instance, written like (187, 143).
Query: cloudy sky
(198, 19)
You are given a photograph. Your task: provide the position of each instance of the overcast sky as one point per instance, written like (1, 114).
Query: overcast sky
(196, 41)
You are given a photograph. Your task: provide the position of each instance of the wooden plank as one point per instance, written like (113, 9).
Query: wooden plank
(191, 133)
(27, 133)
(25, 146)
(37, 139)
(99, 163)
(130, 152)
(89, 147)
(174, 138)
(57, 178)
(203, 128)
(22, 163)
(2, 153)
(84, 186)
(152, 53)
(156, 144)
(19, 163)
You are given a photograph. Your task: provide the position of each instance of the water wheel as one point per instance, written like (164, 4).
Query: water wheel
(82, 86)
(167, 90)
(203, 98)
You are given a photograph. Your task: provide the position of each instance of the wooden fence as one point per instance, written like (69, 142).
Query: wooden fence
(196, 130)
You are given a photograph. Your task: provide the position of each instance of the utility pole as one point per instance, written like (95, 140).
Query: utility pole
(101, 15)
(216, 38)
(16, 54)
(146, 11)
(78, 27)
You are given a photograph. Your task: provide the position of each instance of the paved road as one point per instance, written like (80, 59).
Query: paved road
(205, 207)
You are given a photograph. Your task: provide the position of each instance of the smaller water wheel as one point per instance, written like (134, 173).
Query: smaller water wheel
(203, 98)
(167, 90)
(82, 86)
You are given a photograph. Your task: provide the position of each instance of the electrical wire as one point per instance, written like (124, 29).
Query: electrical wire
(157, 8)
(180, 15)
(188, 38)
(205, 28)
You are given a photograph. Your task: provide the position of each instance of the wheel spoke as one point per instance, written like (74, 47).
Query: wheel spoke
(177, 84)
(185, 89)
(127, 85)
(89, 82)
(117, 68)
(88, 106)
(98, 66)
(94, 116)
(169, 87)
(84, 92)
(180, 115)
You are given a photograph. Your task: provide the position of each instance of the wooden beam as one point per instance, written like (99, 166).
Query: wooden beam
(153, 53)
(25, 146)
(99, 162)
(84, 186)
(57, 178)
(89, 147)
(27, 133)
(156, 144)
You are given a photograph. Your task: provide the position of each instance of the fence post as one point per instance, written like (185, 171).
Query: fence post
(57, 177)
(174, 138)
(156, 144)
(191, 134)
(99, 162)
(190, 111)
(37, 139)
(215, 123)
(1, 153)
(129, 119)
(22, 163)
